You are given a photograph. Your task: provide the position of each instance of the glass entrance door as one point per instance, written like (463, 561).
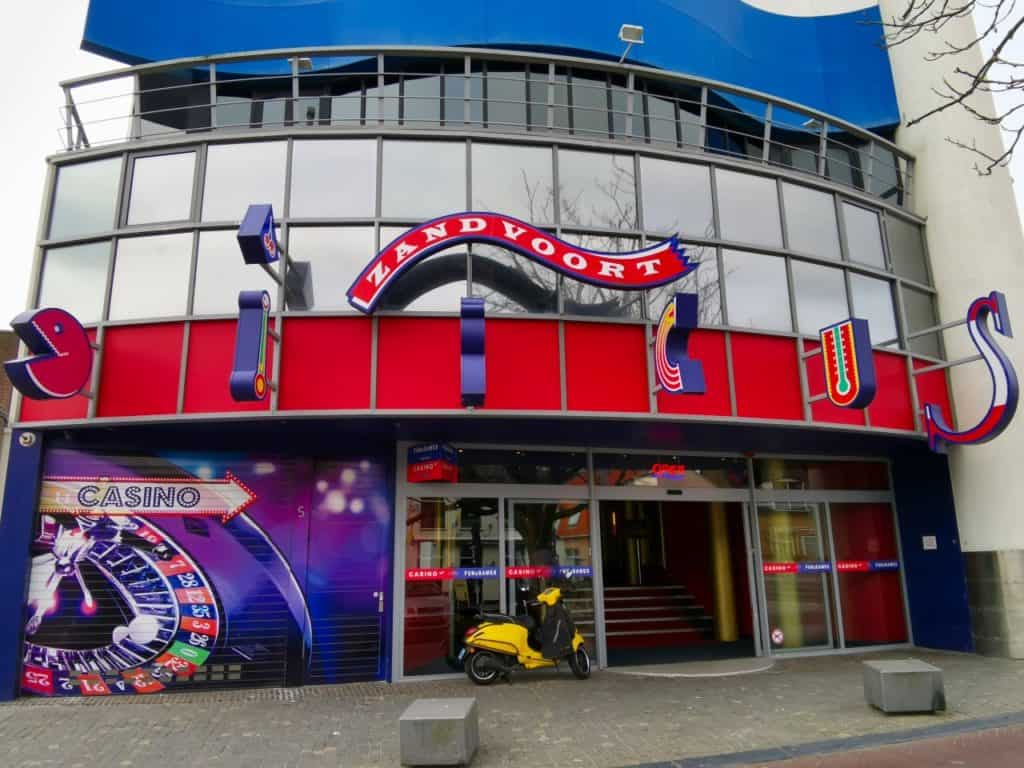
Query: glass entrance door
(549, 544)
(797, 570)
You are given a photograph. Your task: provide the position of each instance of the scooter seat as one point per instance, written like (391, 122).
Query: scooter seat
(501, 618)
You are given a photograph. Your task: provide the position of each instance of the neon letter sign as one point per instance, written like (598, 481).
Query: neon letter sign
(675, 371)
(61, 362)
(474, 370)
(849, 363)
(1004, 378)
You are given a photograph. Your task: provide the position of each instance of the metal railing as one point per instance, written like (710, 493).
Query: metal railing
(509, 92)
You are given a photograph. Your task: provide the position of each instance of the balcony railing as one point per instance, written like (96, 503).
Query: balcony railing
(475, 90)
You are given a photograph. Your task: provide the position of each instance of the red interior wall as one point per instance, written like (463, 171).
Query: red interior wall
(872, 602)
(740, 580)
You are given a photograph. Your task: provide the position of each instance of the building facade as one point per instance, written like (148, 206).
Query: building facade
(350, 524)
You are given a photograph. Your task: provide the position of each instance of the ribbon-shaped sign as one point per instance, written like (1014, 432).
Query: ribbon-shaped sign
(657, 265)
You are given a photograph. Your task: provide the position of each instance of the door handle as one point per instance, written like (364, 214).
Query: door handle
(380, 601)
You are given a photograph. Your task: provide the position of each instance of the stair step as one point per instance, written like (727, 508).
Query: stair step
(677, 587)
(650, 598)
(677, 619)
(636, 632)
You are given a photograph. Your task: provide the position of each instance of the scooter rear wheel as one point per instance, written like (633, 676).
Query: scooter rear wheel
(579, 663)
(481, 667)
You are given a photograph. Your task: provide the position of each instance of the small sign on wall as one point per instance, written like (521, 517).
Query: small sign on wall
(929, 543)
(432, 462)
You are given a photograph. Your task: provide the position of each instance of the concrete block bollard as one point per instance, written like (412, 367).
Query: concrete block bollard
(905, 685)
(439, 732)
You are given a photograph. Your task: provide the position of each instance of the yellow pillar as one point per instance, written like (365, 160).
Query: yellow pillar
(726, 629)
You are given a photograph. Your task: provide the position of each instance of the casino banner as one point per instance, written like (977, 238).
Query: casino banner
(181, 571)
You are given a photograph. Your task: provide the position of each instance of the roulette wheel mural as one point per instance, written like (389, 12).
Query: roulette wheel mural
(155, 574)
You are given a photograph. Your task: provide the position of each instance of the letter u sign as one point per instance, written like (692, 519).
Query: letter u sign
(1004, 379)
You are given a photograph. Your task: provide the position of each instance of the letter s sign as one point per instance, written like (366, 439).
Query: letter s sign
(1004, 379)
(62, 355)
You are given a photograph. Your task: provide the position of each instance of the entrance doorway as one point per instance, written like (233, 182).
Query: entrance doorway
(676, 585)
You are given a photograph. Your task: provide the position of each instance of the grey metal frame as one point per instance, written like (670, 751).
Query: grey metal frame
(750, 498)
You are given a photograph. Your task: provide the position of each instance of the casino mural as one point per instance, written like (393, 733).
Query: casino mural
(170, 572)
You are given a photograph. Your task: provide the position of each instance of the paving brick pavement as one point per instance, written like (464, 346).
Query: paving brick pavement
(541, 719)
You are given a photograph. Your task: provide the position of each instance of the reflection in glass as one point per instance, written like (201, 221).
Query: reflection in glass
(336, 256)
(631, 469)
(886, 181)
(906, 249)
(872, 600)
(86, 198)
(735, 125)
(676, 198)
(820, 294)
(442, 534)
(334, 178)
(872, 300)
(703, 281)
(513, 180)
(423, 179)
(798, 604)
(162, 188)
(826, 475)
(75, 279)
(920, 310)
(748, 208)
(421, 97)
(509, 282)
(597, 190)
(796, 138)
(505, 105)
(221, 274)
(238, 175)
(436, 284)
(151, 277)
(486, 465)
(863, 236)
(811, 221)
(589, 105)
(756, 294)
(579, 298)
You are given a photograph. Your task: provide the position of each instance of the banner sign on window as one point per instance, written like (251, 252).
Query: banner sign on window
(431, 462)
(451, 574)
(548, 571)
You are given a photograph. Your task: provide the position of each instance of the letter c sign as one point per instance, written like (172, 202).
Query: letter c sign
(61, 360)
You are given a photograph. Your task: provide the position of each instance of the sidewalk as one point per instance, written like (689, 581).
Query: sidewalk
(612, 719)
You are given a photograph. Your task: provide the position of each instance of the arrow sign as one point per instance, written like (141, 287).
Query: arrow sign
(145, 496)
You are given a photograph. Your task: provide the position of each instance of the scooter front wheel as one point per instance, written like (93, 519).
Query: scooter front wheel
(579, 663)
(482, 667)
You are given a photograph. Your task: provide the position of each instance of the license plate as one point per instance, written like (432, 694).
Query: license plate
(462, 654)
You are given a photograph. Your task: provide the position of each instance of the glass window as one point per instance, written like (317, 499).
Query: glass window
(811, 221)
(620, 109)
(382, 103)
(796, 138)
(703, 281)
(756, 293)
(436, 284)
(221, 273)
(872, 300)
(238, 175)
(676, 198)
(920, 310)
(597, 189)
(668, 471)
(581, 298)
(906, 249)
(421, 97)
(868, 563)
(423, 179)
(85, 199)
(589, 105)
(506, 96)
(75, 279)
(863, 236)
(478, 465)
(233, 111)
(748, 208)
(885, 175)
(795, 474)
(336, 255)
(820, 297)
(151, 277)
(508, 282)
(334, 179)
(735, 125)
(514, 180)
(162, 188)
(443, 534)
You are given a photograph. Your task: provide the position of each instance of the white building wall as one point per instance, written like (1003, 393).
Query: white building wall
(976, 246)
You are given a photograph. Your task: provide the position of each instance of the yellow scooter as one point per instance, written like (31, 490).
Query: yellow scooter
(500, 643)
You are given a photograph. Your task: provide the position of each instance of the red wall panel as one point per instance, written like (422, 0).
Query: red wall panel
(606, 367)
(892, 407)
(76, 407)
(709, 348)
(824, 410)
(931, 388)
(325, 363)
(522, 365)
(767, 378)
(418, 363)
(140, 370)
(211, 354)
